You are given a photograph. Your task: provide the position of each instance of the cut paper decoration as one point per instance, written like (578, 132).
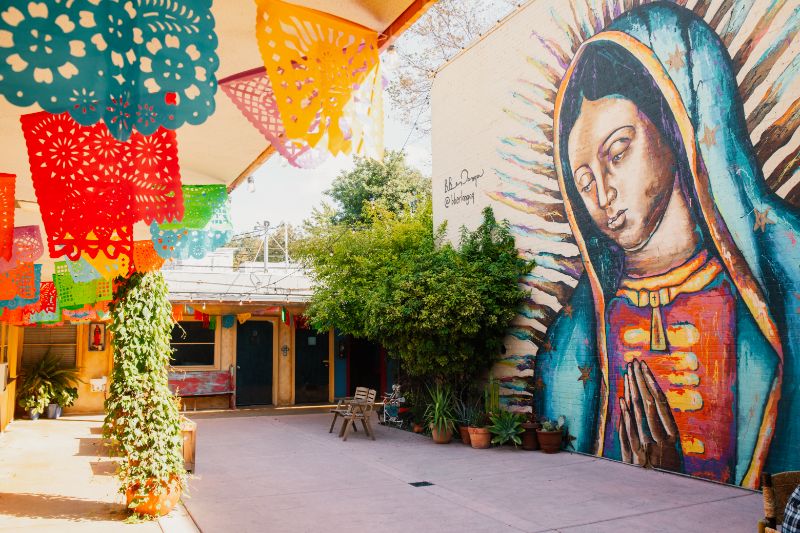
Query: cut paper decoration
(243, 317)
(228, 321)
(82, 271)
(206, 225)
(145, 258)
(177, 312)
(91, 188)
(46, 310)
(188, 309)
(252, 93)
(135, 65)
(110, 268)
(74, 295)
(27, 247)
(20, 286)
(7, 185)
(197, 315)
(315, 61)
(12, 316)
(212, 323)
(200, 203)
(80, 316)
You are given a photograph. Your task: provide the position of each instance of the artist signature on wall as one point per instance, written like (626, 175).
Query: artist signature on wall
(454, 188)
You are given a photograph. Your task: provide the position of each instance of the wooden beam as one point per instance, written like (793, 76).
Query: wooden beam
(252, 167)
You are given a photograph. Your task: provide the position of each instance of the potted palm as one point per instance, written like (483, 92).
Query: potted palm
(33, 393)
(440, 415)
(506, 428)
(466, 415)
(142, 418)
(551, 435)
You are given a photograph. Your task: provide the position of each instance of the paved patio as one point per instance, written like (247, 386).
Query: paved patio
(55, 476)
(260, 472)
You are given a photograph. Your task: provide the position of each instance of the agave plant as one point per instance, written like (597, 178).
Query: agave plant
(506, 427)
(44, 382)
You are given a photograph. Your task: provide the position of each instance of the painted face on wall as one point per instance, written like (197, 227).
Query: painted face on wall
(622, 168)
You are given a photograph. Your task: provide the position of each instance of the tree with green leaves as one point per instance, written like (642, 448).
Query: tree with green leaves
(442, 310)
(388, 184)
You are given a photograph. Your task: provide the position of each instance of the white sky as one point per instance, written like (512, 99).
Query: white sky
(285, 193)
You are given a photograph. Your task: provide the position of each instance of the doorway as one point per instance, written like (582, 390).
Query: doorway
(311, 366)
(365, 365)
(254, 353)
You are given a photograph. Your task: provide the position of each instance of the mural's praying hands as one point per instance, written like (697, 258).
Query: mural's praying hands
(647, 430)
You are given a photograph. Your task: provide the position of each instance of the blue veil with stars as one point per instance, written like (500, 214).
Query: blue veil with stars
(748, 227)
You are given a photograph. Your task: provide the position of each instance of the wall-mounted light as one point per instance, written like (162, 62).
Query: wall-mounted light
(284, 350)
(251, 184)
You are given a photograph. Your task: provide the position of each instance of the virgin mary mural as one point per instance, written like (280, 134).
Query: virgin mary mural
(678, 347)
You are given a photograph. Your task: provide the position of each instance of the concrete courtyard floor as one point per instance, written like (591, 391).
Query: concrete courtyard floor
(266, 473)
(55, 476)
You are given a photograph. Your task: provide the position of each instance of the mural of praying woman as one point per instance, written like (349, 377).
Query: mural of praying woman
(682, 329)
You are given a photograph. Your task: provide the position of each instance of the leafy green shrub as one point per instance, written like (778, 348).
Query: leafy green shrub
(440, 415)
(506, 427)
(45, 382)
(143, 417)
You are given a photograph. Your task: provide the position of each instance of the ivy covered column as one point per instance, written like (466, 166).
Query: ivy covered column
(142, 415)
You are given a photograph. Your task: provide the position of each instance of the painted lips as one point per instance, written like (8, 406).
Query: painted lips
(616, 222)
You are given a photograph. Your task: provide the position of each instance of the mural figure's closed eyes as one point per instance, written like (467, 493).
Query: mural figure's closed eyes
(683, 312)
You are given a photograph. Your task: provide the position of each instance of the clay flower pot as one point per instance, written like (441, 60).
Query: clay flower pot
(156, 504)
(550, 441)
(441, 438)
(529, 440)
(418, 428)
(464, 431)
(480, 438)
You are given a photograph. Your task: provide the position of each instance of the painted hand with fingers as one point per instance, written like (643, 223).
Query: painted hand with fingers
(647, 430)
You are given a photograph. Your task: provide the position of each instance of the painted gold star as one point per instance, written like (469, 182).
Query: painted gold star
(568, 310)
(762, 219)
(675, 60)
(709, 136)
(586, 374)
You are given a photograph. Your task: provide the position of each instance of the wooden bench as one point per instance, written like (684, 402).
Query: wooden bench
(197, 383)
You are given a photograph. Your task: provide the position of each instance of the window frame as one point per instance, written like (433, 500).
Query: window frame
(217, 337)
(76, 345)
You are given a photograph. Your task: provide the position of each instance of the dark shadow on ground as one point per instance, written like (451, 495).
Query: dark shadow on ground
(92, 447)
(104, 468)
(59, 507)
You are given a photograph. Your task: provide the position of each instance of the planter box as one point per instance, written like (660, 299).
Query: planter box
(189, 433)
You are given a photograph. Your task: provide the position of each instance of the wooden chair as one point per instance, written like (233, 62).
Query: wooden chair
(361, 410)
(777, 488)
(343, 405)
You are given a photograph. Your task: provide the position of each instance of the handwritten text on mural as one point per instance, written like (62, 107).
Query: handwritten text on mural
(454, 188)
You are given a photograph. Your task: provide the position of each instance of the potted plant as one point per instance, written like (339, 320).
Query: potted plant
(529, 426)
(417, 415)
(439, 414)
(479, 435)
(62, 397)
(143, 418)
(46, 386)
(551, 435)
(465, 415)
(33, 395)
(506, 427)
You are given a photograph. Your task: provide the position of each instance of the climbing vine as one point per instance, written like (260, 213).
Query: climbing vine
(142, 418)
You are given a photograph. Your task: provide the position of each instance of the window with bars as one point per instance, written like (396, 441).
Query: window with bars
(195, 348)
(59, 340)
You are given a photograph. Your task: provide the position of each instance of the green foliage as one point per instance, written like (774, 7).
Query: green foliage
(389, 185)
(441, 310)
(439, 414)
(143, 418)
(491, 396)
(466, 413)
(553, 425)
(45, 382)
(507, 427)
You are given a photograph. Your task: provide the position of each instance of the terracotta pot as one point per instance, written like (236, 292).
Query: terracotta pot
(441, 438)
(550, 441)
(529, 440)
(156, 504)
(480, 438)
(418, 428)
(464, 431)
